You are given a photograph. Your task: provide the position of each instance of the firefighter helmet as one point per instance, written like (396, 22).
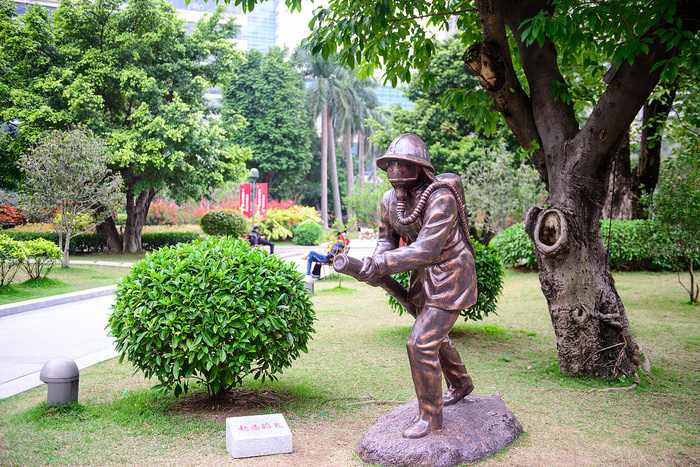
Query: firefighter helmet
(407, 148)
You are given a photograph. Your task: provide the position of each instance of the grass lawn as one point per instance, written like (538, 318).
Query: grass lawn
(63, 280)
(357, 370)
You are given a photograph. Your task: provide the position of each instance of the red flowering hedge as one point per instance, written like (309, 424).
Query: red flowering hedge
(10, 216)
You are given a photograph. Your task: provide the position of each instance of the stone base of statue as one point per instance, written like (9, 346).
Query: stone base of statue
(475, 428)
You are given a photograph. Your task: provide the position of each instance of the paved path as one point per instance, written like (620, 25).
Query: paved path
(73, 326)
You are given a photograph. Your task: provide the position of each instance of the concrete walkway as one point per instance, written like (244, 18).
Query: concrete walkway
(73, 326)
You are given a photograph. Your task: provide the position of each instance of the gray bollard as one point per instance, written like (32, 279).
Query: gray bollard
(62, 377)
(309, 285)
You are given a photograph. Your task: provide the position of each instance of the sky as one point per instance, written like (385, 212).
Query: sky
(293, 27)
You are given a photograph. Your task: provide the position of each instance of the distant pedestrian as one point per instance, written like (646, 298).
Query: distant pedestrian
(335, 247)
(256, 239)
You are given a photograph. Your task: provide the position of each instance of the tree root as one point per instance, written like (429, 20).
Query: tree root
(367, 400)
(588, 391)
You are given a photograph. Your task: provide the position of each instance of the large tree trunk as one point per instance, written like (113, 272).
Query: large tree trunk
(627, 185)
(593, 334)
(108, 230)
(136, 211)
(324, 164)
(591, 327)
(334, 172)
(623, 195)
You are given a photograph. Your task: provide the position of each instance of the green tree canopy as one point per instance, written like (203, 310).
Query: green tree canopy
(452, 138)
(129, 71)
(269, 93)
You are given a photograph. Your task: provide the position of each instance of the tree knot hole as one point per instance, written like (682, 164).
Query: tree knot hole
(550, 232)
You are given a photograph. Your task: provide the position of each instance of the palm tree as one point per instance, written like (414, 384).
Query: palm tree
(354, 104)
(327, 77)
(343, 102)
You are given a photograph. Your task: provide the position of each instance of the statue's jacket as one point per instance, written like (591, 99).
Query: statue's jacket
(435, 251)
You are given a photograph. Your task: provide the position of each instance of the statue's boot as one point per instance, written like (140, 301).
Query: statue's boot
(458, 380)
(426, 378)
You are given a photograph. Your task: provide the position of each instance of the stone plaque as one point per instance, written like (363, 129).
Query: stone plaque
(258, 435)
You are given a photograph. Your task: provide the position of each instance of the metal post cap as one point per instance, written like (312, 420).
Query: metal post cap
(59, 370)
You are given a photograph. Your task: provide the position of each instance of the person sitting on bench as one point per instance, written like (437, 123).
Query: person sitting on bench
(334, 248)
(256, 239)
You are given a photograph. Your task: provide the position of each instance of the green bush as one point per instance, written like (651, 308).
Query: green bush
(489, 282)
(224, 223)
(280, 223)
(12, 255)
(634, 245)
(640, 245)
(215, 310)
(514, 247)
(308, 233)
(41, 255)
(156, 240)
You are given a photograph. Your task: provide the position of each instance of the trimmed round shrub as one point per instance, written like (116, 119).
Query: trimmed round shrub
(41, 255)
(215, 311)
(489, 282)
(224, 223)
(308, 233)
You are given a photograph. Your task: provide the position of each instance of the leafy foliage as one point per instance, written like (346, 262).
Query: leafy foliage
(676, 205)
(12, 255)
(90, 242)
(214, 310)
(280, 223)
(499, 192)
(454, 142)
(269, 93)
(308, 233)
(489, 281)
(634, 245)
(365, 202)
(127, 69)
(10, 216)
(224, 223)
(514, 247)
(66, 173)
(41, 255)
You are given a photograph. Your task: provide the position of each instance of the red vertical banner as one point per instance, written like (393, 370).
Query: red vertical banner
(246, 206)
(261, 201)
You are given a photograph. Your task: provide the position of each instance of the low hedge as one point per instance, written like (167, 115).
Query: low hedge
(91, 243)
(635, 245)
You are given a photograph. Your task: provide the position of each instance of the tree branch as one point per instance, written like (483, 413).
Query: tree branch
(553, 117)
(627, 92)
(509, 97)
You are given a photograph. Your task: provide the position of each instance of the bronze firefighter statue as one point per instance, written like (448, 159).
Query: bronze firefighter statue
(427, 213)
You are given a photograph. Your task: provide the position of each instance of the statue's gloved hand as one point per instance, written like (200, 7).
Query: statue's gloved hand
(369, 272)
